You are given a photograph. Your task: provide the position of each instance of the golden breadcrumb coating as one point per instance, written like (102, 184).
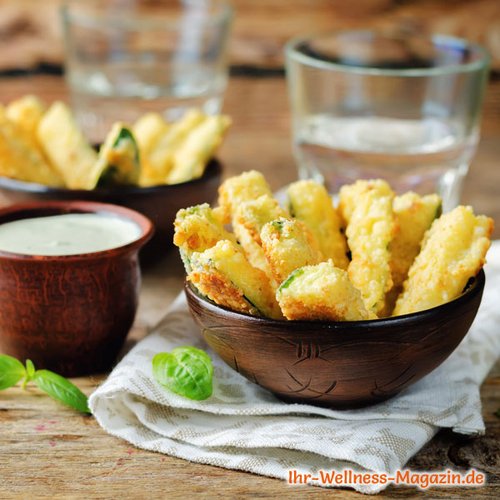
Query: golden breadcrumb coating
(321, 292)
(385, 234)
(367, 208)
(21, 157)
(254, 214)
(198, 228)
(248, 220)
(310, 202)
(287, 245)
(26, 112)
(199, 146)
(224, 275)
(350, 194)
(240, 188)
(453, 251)
(413, 215)
(160, 157)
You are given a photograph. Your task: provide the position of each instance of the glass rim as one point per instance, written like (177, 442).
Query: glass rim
(143, 21)
(481, 63)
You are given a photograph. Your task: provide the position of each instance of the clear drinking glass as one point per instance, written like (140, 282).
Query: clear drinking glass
(372, 105)
(127, 57)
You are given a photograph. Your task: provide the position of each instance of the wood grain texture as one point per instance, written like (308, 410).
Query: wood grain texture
(48, 451)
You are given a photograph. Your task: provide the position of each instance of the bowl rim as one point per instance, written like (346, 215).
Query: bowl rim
(45, 208)
(213, 169)
(472, 289)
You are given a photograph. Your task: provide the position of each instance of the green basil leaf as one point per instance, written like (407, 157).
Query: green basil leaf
(30, 369)
(11, 371)
(61, 389)
(187, 371)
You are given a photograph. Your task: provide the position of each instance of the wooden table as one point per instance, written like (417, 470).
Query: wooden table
(49, 451)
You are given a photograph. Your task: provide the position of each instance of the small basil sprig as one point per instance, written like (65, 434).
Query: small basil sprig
(57, 387)
(187, 371)
(11, 371)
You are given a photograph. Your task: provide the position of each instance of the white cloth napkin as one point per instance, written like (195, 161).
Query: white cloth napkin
(242, 426)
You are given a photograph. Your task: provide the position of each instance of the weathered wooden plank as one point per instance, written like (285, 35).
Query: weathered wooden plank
(70, 456)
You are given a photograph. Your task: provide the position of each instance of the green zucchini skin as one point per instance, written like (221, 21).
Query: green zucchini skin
(120, 164)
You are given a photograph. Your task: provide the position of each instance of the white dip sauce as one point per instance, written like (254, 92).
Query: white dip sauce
(67, 234)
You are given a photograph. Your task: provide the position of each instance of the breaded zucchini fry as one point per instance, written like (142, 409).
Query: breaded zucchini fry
(161, 156)
(192, 156)
(413, 215)
(196, 229)
(26, 112)
(147, 131)
(321, 292)
(240, 188)
(350, 194)
(254, 214)
(310, 202)
(248, 220)
(224, 275)
(368, 210)
(118, 160)
(288, 245)
(67, 149)
(20, 158)
(453, 250)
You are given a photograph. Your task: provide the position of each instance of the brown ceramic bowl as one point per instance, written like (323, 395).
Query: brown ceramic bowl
(158, 203)
(69, 313)
(337, 364)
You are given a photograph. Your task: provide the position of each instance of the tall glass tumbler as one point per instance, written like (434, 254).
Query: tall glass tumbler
(127, 57)
(372, 105)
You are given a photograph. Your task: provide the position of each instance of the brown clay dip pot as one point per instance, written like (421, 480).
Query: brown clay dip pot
(337, 364)
(69, 313)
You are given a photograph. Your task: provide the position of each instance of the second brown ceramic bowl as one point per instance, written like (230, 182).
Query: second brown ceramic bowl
(158, 203)
(337, 364)
(69, 313)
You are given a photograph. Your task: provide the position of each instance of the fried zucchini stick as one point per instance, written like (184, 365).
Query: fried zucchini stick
(148, 130)
(321, 292)
(198, 228)
(195, 152)
(453, 251)
(26, 112)
(224, 275)
(66, 147)
(288, 245)
(310, 202)
(161, 155)
(240, 188)
(248, 220)
(413, 215)
(20, 157)
(367, 208)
